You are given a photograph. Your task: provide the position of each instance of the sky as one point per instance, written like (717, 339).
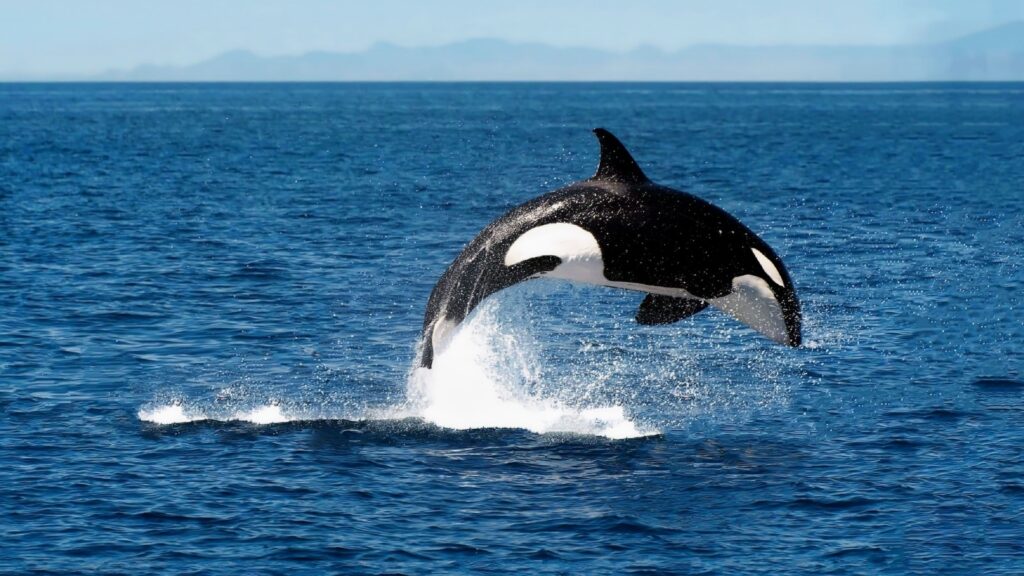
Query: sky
(81, 37)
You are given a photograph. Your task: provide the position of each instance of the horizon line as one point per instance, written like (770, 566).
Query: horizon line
(97, 75)
(525, 81)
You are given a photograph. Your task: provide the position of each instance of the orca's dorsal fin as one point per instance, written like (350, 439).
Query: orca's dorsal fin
(617, 165)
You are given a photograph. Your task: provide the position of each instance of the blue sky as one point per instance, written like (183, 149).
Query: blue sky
(43, 37)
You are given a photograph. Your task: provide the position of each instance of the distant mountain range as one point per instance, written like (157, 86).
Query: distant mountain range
(994, 54)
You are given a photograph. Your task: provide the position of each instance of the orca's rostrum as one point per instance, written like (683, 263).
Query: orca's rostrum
(619, 229)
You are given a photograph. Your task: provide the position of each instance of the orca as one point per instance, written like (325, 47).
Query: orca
(619, 229)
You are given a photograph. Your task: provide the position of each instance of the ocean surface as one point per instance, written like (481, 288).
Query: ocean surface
(210, 299)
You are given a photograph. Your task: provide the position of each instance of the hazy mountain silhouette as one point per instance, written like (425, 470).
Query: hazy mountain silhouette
(994, 54)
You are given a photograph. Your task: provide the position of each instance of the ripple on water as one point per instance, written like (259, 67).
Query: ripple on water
(997, 383)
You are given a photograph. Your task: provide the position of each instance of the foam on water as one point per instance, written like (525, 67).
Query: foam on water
(168, 414)
(177, 413)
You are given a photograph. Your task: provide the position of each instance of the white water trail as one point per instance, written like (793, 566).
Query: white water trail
(487, 377)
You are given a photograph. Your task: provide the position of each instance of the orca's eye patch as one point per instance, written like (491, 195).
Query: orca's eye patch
(768, 267)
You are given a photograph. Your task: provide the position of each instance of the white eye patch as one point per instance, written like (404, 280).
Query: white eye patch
(577, 249)
(567, 241)
(768, 267)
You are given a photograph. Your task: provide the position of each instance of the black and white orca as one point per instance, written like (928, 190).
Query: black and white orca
(621, 230)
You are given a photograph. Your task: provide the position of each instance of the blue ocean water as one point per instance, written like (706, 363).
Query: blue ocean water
(210, 297)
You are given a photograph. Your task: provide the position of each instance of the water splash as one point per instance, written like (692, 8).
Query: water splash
(488, 377)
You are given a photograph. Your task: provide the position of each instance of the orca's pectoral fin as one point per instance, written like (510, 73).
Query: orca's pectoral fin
(529, 268)
(510, 276)
(658, 309)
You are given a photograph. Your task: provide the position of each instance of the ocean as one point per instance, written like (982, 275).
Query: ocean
(211, 295)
